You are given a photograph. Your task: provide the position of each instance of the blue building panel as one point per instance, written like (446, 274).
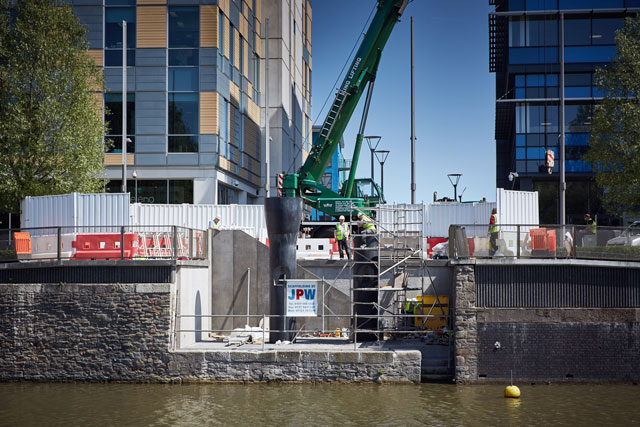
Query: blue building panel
(113, 79)
(182, 159)
(151, 57)
(151, 79)
(208, 78)
(208, 56)
(91, 18)
(151, 159)
(208, 159)
(151, 113)
(208, 144)
(151, 144)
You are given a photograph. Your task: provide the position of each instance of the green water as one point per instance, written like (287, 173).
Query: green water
(26, 404)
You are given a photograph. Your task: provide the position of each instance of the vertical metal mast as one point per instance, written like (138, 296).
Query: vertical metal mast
(563, 184)
(267, 145)
(413, 126)
(124, 106)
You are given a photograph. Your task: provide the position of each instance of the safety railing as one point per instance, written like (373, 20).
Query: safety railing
(412, 325)
(102, 243)
(543, 241)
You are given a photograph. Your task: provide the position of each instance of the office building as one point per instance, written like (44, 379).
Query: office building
(525, 53)
(196, 94)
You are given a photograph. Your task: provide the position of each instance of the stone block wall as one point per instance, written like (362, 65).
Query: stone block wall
(465, 324)
(115, 332)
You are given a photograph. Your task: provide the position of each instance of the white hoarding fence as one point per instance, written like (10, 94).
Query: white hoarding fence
(302, 298)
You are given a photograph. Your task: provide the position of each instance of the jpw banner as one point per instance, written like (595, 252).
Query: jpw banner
(302, 298)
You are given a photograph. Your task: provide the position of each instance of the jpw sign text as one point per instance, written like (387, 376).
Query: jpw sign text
(302, 299)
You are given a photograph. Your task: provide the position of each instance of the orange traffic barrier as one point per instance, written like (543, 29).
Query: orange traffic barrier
(539, 239)
(23, 243)
(104, 246)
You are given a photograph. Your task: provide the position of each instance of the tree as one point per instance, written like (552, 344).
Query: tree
(614, 151)
(51, 127)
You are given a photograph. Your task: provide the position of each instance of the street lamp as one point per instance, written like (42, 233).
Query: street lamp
(382, 155)
(372, 142)
(454, 178)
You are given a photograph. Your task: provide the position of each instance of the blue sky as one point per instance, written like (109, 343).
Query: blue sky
(454, 92)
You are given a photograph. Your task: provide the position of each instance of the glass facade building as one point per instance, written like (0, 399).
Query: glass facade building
(196, 93)
(525, 53)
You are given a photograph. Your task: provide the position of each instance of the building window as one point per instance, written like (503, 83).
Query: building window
(183, 122)
(113, 118)
(184, 27)
(223, 127)
(227, 195)
(183, 57)
(113, 18)
(180, 191)
(183, 79)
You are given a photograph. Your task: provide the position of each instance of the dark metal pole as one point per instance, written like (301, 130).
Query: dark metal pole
(413, 126)
(382, 176)
(283, 216)
(371, 162)
(563, 184)
(124, 106)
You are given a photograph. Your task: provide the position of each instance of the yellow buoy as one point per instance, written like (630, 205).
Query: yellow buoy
(512, 391)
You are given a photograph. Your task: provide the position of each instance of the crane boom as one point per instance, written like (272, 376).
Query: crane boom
(307, 182)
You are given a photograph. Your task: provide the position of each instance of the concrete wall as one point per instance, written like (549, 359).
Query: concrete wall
(194, 285)
(545, 344)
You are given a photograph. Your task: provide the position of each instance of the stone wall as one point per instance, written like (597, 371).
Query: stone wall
(93, 332)
(465, 324)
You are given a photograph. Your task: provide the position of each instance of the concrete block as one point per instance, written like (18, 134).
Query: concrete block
(314, 356)
(153, 288)
(217, 356)
(376, 357)
(344, 357)
(288, 356)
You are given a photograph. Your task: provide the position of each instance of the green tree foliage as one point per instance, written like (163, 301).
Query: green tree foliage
(51, 129)
(614, 151)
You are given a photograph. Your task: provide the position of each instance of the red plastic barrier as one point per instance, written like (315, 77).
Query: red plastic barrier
(334, 246)
(539, 239)
(432, 241)
(472, 245)
(23, 242)
(104, 246)
(551, 240)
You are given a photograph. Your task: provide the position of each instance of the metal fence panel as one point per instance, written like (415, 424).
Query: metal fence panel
(76, 210)
(516, 207)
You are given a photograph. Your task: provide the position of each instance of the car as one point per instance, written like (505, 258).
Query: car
(629, 237)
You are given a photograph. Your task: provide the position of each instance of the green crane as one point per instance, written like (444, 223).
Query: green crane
(364, 193)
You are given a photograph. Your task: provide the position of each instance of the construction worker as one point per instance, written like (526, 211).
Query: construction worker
(215, 224)
(341, 234)
(366, 224)
(590, 224)
(493, 232)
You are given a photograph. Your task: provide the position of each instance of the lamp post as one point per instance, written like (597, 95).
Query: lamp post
(124, 107)
(454, 178)
(382, 155)
(372, 142)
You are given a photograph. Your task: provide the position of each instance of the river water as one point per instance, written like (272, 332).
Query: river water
(81, 404)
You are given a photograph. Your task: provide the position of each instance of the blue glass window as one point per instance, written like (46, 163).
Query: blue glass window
(120, 2)
(535, 153)
(520, 140)
(113, 119)
(552, 92)
(183, 122)
(578, 92)
(113, 57)
(542, 4)
(577, 166)
(585, 54)
(113, 18)
(535, 92)
(516, 4)
(535, 80)
(577, 32)
(520, 154)
(520, 94)
(183, 79)
(552, 79)
(184, 27)
(520, 80)
(533, 55)
(535, 140)
(576, 139)
(582, 79)
(590, 4)
(577, 118)
(521, 166)
(604, 30)
(183, 56)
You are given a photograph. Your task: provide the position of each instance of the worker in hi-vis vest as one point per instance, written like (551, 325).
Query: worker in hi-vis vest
(215, 224)
(493, 232)
(366, 224)
(341, 234)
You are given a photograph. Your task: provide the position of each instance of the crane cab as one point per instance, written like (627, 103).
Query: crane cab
(369, 191)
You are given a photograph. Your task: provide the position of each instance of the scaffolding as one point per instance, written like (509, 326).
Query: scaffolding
(389, 289)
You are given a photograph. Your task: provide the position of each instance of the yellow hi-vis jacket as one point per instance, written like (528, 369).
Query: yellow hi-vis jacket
(368, 224)
(494, 226)
(342, 231)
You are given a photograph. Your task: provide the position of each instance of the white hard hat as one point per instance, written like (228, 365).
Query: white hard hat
(360, 214)
(341, 217)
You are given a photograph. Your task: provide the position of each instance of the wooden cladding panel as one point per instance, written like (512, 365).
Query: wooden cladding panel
(234, 92)
(308, 30)
(259, 10)
(152, 26)
(309, 9)
(236, 48)
(96, 56)
(255, 180)
(245, 61)
(225, 164)
(152, 2)
(253, 111)
(116, 159)
(209, 26)
(251, 137)
(226, 36)
(224, 6)
(243, 174)
(209, 112)
(244, 27)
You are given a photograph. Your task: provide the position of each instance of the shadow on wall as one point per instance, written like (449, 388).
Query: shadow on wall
(198, 319)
